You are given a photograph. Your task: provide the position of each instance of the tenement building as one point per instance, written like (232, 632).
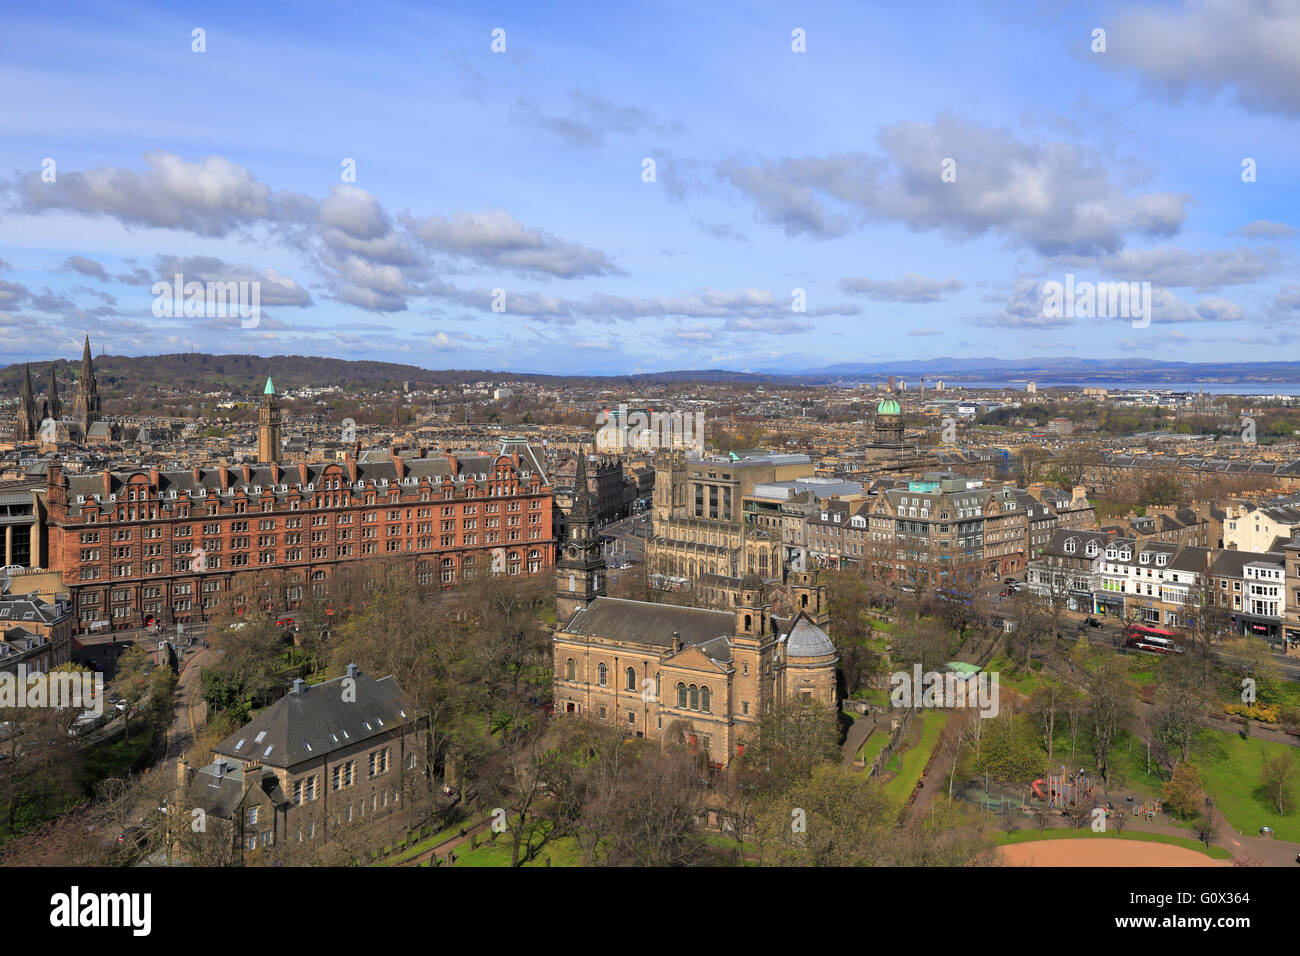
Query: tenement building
(150, 545)
(703, 676)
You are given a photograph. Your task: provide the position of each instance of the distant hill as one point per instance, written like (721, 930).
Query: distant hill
(245, 374)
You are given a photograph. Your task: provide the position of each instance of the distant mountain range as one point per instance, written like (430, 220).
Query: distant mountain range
(246, 373)
(1047, 371)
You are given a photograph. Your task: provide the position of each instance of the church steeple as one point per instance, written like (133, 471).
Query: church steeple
(53, 405)
(85, 404)
(26, 421)
(580, 572)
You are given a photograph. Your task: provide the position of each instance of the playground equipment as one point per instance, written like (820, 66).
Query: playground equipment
(1062, 790)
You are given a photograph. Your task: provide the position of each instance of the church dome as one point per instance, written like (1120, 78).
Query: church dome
(888, 407)
(808, 640)
(752, 582)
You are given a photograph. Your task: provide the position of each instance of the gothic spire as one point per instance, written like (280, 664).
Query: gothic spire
(55, 406)
(583, 506)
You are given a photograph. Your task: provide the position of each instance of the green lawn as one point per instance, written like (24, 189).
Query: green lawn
(878, 625)
(872, 746)
(415, 849)
(1024, 682)
(1029, 835)
(914, 759)
(563, 851)
(1230, 773)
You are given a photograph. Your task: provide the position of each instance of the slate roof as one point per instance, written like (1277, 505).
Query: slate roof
(311, 724)
(1229, 563)
(470, 466)
(642, 622)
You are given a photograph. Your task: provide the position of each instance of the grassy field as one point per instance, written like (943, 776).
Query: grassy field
(872, 746)
(1030, 835)
(913, 760)
(1024, 682)
(1230, 773)
(563, 851)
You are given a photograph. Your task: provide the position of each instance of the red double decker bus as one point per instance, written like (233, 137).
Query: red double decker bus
(1154, 640)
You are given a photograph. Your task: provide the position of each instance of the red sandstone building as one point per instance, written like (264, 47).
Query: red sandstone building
(150, 546)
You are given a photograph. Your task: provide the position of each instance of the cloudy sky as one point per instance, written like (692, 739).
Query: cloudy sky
(645, 187)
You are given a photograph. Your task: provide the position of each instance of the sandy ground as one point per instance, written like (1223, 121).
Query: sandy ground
(1103, 853)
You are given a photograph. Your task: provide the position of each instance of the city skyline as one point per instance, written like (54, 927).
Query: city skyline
(524, 171)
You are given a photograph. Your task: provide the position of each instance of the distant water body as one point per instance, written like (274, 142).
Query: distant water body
(1210, 388)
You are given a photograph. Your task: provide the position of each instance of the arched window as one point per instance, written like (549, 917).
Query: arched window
(631, 678)
(705, 697)
(695, 697)
(600, 675)
(570, 670)
(681, 696)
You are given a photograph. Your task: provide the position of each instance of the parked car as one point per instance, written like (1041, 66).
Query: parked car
(1008, 580)
(1093, 622)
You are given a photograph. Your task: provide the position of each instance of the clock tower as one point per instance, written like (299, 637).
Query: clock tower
(580, 572)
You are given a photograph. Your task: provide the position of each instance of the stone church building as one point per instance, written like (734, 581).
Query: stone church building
(648, 667)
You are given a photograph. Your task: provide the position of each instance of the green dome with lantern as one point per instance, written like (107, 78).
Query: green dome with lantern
(888, 407)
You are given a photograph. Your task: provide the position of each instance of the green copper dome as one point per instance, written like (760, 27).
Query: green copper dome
(888, 407)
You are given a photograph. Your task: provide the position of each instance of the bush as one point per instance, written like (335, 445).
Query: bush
(1266, 713)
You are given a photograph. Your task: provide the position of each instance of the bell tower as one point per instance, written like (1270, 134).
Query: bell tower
(580, 572)
(810, 597)
(268, 426)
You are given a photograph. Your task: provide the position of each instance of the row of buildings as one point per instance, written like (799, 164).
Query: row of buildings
(1228, 590)
(137, 547)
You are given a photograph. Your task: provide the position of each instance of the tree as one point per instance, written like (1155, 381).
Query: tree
(652, 818)
(794, 736)
(1012, 750)
(831, 818)
(133, 680)
(1045, 705)
(1278, 777)
(1111, 704)
(953, 833)
(1181, 697)
(1182, 792)
(1205, 829)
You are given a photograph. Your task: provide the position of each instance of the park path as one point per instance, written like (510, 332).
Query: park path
(189, 712)
(443, 849)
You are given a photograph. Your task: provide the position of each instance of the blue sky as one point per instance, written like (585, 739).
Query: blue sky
(775, 170)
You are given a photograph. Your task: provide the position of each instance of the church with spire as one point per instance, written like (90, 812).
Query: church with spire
(44, 422)
(661, 671)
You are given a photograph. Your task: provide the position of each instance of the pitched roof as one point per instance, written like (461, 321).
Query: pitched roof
(642, 622)
(308, 724)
